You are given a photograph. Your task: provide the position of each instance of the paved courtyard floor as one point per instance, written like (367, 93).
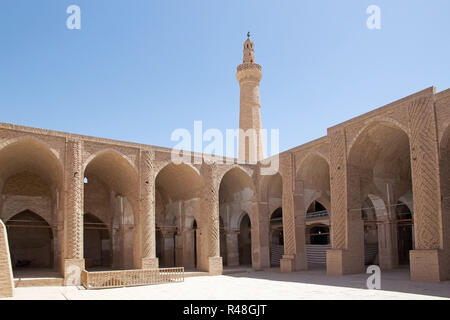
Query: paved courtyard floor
(313, 284)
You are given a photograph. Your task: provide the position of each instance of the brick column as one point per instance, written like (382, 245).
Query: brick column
(210, 221)
(260, 229)
(147, 207)
(347, 229)
(73, 218)
(427, 260)
(232, 247)
(445, 193)
(300, 228)
(168, 248)
(294, 257)
(387, 244)
(6, 275)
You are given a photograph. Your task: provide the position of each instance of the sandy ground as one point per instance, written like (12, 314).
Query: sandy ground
(258, 285)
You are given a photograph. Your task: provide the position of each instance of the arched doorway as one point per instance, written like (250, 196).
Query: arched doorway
(245, 241)
(178, 217)
(31, 176)
(276, 237)
(236, 195)
(194, 228)
(30, 241)
(110, 202)
(379, 163)
(317, 235)
(369, 217)
(223, 241)
(97, 243)
(405, 232)
(313, 182)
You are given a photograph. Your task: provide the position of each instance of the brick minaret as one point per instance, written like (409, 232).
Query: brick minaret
(249, 75)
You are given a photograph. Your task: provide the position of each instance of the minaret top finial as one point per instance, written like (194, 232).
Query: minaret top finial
(249, 52)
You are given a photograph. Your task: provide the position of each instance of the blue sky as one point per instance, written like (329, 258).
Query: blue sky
(137, 70)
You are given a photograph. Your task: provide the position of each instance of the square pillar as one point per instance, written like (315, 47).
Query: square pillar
(427, 265)
(294, 258)
(6, 275)
(210, 258)
(260, 237)
(72, 271)
(232, 248)
(147, 211)
(168, 248)
(387, 245)
(73, 209)
(427, 262)
(347, 227)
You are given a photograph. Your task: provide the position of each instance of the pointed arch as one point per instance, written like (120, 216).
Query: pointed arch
(31, 154)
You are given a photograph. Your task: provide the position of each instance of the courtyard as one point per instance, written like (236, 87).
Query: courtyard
(260, 285)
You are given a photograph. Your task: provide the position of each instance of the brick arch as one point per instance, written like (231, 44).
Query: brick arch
(235, 179)
(117, 173)
(382, 151)
(373, 122)
(307, 157)
(179, 181)
(314, 172)
(266, 186)
(227, 169)
(35, 155)
(324, 201)
(30, 138)
(108, 150)
(444, 143)
(27, 207)
(35, 210)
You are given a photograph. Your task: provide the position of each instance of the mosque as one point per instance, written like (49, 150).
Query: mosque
(374, 190)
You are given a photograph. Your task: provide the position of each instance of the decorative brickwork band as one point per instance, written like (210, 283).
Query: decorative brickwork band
(210, 208)
(338, 166)
(147, 204)
(425, 174)
(74, 200)
(288, 205)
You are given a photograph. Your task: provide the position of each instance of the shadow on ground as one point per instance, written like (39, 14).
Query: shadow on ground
(397, 280)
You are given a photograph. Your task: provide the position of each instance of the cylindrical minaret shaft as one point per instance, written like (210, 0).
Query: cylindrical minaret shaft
(250, 135)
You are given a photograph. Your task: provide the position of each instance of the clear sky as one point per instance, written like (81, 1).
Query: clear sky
(137, 70)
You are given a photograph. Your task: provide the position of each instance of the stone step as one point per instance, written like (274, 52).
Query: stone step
(38, 282)
(195, 274)
(236, 270)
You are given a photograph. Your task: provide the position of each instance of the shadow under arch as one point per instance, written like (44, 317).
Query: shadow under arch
(276, 237)
(97, 242)
(111, 193)
(178, 189)
(379, 163)
(31, 154)
(31, 180)
(30, 239)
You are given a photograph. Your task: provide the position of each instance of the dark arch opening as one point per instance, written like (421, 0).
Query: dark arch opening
(405, 232)
(315, 210)
(319, 234)
(245, 241)
(369, 218)
(30, 240)
(276, 237)
(223, 241)
(97, 243)
(194, 227)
